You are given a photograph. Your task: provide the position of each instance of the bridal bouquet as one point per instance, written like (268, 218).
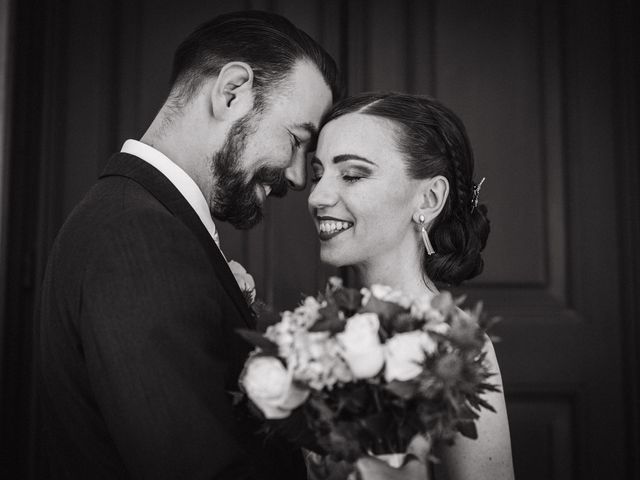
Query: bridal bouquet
(373, 368)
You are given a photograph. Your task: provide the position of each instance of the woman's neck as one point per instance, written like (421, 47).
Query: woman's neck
(407, 276)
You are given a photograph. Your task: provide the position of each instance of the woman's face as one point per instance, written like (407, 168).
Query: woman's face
(362, 199)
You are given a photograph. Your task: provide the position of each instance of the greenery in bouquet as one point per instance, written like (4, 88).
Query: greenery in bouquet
(373, 368)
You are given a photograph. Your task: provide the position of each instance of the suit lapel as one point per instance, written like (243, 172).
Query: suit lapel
(130, 166)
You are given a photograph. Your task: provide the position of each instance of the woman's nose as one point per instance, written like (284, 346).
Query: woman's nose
(322, 195)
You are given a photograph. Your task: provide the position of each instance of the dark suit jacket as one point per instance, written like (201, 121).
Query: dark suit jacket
(138, 350)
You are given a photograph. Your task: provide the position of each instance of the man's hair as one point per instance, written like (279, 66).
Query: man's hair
(267, 42)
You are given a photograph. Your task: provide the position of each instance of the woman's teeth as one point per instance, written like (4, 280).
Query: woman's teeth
(331, 226)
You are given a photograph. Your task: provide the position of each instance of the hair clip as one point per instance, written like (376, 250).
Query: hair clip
(475, 196)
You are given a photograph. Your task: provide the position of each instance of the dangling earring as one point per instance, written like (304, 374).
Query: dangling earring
(425, 236)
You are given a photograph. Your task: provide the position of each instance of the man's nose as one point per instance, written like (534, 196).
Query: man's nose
(296, 174)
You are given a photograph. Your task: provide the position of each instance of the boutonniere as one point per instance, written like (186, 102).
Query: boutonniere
(245, 281)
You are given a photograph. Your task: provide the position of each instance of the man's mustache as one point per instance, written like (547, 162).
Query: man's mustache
(275, 178)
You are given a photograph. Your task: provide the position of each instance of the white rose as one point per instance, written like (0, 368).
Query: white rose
(316, 361)
(366, 295)
(245, 281)
(388, 294)
(307, 313)
(311, 303)
(404, 354)
(269, 386)
(422, 308)
(380, 291)
(438, 327)
(361, 346)
(281, 335)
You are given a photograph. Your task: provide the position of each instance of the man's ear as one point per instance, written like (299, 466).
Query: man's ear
(232, 93)
(433, 194)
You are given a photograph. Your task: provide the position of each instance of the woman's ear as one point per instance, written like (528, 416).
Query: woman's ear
(232, 93)
(433, 195)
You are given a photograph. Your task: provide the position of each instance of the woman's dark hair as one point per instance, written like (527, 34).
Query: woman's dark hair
(269, 43)
(433, 141)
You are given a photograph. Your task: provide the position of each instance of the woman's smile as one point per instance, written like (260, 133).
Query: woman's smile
(329, 227)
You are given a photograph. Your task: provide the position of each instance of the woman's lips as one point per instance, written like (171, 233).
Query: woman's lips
(328, 236)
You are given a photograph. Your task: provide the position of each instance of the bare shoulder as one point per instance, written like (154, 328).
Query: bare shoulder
(489, 456)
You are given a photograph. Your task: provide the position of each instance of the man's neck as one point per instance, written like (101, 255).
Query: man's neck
(180, 142)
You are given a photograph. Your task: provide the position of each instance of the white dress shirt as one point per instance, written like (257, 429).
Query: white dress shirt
(180, 179)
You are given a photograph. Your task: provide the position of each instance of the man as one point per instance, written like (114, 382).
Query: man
(138, 351)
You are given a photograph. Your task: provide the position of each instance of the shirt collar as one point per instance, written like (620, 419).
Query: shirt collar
(180, 179)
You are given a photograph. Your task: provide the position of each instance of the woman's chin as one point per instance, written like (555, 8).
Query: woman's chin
(332, 258)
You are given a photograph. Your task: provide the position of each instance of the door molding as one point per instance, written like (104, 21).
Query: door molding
(5, 108)
(627, 126)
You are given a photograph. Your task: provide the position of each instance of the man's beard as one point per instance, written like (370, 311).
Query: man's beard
(234, 199)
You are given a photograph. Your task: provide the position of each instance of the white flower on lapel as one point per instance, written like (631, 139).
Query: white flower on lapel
(245, 281)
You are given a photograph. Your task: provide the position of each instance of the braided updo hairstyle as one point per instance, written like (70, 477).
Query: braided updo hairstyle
(433, 141)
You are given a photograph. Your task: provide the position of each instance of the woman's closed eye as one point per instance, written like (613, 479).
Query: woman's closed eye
(346, 176)
(351, 178)
(354, 175)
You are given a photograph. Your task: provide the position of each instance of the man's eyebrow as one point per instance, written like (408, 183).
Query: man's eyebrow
(309, 127)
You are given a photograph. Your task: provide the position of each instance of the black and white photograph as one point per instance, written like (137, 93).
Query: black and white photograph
(320, 239)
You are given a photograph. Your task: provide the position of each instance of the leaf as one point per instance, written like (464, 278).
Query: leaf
(444, 302)
(465, 333)
(467, 429)
(330, 311)
(404, 322)
(378, 425)
(404, 390)
(258, 340)
(331, 325)
(344, 441)
(487, 323)
(329, 320)
(386, 311)
(319, 410)
(477, 402)
(489, 387)
(355, 398)
(348, 299)
(265, 315)
(467, 414)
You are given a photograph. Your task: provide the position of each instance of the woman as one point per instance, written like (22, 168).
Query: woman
(394, 197)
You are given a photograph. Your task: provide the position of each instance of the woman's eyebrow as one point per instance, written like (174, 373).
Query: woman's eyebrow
(350, 156)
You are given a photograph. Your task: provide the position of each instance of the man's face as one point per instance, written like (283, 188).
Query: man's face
(265, 153)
